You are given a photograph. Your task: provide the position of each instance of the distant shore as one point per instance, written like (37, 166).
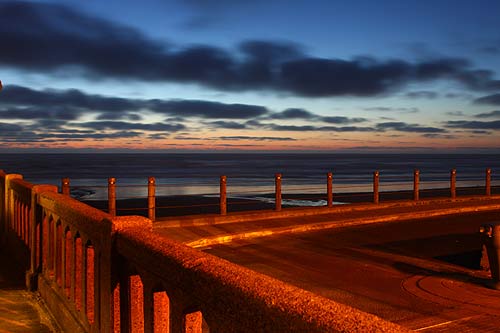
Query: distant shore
(198, 204)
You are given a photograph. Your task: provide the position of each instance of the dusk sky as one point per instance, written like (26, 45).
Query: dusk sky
(250, 75)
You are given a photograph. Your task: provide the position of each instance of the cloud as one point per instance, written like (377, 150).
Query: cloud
(439, 136)
(205, 109)
(310, 128)
(391, 109)
(71, 104)
(412, 128)
(47, 38)
(226, 124)
(475, 125)
(297, 113)
(455, 113)
(122, 125)
(256, 138)
(492, 114)
(493, 99)
(422, 94)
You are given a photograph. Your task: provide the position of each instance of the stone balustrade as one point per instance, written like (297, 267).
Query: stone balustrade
(99, 273)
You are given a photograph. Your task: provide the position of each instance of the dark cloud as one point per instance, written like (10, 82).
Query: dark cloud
(122, 125)
(205, 109)
(493, 99)
(297, 113)
(492, 114)
(256, 138)
(47, 38)
(310, 128)
(439, 136)
(412, 128)
(71, 104)
(455, 113)
(422, 94)
(475, 125)
(392, 109)
(226, 124)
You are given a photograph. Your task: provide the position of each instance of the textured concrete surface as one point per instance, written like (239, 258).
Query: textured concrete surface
(421, 274)
(20, 310)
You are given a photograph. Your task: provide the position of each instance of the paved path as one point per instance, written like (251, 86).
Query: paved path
(20, 310)
(420, 270)
(419, 274)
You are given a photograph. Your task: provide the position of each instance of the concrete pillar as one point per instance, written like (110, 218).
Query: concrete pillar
(453, 183)
(329, 189)
(375, 187)
(488, 182)
(65, 187)
(277, 192)
(223, 195)
(151, 198)
(416, 183)
(112, 196)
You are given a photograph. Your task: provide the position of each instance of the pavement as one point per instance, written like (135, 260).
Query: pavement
(20, 310)
(416, 265)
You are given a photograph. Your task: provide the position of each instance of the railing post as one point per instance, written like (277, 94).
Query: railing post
(151, 198)
(277, 192)
(329, 190)
(375, 187)
(223, 196)
(112, 196)
(416, 184)
(488, 182)
(65, 187)
(453, 183)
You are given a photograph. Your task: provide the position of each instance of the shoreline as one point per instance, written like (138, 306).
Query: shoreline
(180, 205)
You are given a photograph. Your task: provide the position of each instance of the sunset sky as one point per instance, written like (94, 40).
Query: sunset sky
(256, 75)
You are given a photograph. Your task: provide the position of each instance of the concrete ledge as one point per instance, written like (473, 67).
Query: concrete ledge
(210, 219)
(229, 237)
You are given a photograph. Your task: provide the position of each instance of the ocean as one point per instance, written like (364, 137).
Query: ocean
(248, 174)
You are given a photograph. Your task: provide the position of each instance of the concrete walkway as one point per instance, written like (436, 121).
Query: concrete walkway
(20, 310)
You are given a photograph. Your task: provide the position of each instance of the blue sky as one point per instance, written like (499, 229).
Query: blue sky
(260, 75)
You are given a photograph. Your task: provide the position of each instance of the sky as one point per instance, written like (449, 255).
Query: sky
(231, 75)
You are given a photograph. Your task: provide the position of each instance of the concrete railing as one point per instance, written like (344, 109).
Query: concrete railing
(101, 274)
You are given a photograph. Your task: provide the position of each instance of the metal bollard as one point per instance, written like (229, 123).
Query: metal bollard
(65, 187)
(277, 183)
(223, 195)
(488, 182)
(151, 198)
(329, 189)
(453, 183)
(112, 196)
(416, 183)
(375, 187)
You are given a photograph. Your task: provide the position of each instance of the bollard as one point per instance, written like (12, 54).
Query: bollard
(453, 183)
(277, 183)
(329, 190)
(375, 186)
(223, 196)
(488, 182)
(416, 183)
(151, 198)
(112, 196)
(65, 186)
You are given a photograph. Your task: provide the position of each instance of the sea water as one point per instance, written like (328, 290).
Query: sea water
(248, 174)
